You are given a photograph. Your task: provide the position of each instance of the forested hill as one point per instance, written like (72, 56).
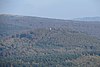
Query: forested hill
(27, 41)
(10, 24)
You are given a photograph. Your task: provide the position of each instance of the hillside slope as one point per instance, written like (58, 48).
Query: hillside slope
(42, 42)
(48, 47)
(27, 22)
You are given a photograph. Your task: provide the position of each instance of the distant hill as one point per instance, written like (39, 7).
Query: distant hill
(10, 24)
(88, 19)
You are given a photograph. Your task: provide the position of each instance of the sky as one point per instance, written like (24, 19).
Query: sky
(61, 9)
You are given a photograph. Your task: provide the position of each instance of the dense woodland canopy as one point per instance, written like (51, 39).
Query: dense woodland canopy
(43, 42)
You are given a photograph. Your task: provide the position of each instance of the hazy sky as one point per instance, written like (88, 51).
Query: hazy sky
(64, 9)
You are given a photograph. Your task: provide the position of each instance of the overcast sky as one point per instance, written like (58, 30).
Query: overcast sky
(63, 9)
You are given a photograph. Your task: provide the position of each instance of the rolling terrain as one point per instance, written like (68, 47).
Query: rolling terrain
(42, 42)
